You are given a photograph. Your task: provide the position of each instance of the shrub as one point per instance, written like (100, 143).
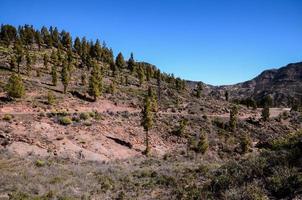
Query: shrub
(7, 117)
(284, 182)
(245, 143)
(40, 163)
(84, 116)
(203, 144)
(50, 98)
(219, 123)
(265, 113)
(180, 131)
(15, 87)
(199, 144)
(65, 120)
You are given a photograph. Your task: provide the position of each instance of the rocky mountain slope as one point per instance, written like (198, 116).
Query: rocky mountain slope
(284, 85)
(79, 144)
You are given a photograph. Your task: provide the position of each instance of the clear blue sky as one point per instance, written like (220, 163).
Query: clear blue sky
(215, 41)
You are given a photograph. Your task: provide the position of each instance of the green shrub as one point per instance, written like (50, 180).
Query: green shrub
(7, 117)
(284, 182)
(65, 120)
(245, 144)
(15, 87)
(40, 163)
(84, 116)
(50, 98)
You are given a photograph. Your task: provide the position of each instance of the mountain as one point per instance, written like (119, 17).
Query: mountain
(284, 85)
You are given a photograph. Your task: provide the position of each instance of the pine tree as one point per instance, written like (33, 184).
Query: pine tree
(95, 82)
(8, 34)
(199, 89)
(147, 122)
(226, 95)
(65, 76)
(180, 131)
(55, 36)
(245, 143)
(113, 68)
(15, 87)
(46, 36)
(28, 63)
(131, 63)
(120, 62)
(83, 78)
(203, 143)
(38, 39)
(54, 75)
(19, 54)
(233, 118)
(77, 46)
(158, 80)
(96, 50)
(112, 87)
(153, 99)
(66, 39)
(141, 76)
(13, 63)
(45, 61)
(265, 113)
(54, 58)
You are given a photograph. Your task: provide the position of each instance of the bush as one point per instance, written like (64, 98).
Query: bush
(15, 87)
(84, 116)
(245, 144)
(284, 182)
(65, 120)
(40, 163)
(7, 117)
(50, 98)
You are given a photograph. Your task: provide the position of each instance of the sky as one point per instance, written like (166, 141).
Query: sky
(215, 41)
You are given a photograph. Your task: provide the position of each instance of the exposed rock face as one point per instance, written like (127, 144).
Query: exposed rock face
(284, 85)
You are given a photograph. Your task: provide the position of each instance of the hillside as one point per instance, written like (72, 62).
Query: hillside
(76, 121)
(284, 85)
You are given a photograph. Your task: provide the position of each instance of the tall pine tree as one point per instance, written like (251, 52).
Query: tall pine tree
(95, 82)
(147, 122)
(65, 78)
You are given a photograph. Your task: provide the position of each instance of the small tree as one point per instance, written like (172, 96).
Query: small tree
(112, 87)
(198, 143)
(226, 95)
(199, 89)
(28, 63)
(120, 62)
(153, 99)
(45, 61)
(50, 98)
(13, 63)
(147, 121)
(95, 82)
(265, 113)
(233, 118)
(141, 76)
(84, 78)
(15, 87)
(19, 55)
(131, 63)
(203, 143)
(158, 81)
(245, 144)
(54, 75)
(65, 76)
(180, 131)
